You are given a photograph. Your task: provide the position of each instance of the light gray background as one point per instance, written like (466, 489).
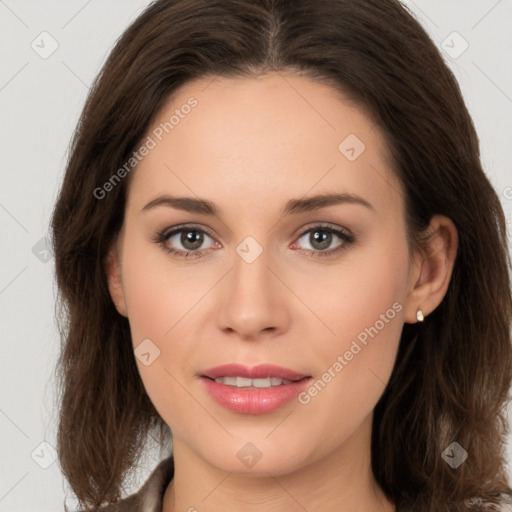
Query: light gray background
(40, 101)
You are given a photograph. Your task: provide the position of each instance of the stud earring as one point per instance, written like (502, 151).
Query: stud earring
(419, 315)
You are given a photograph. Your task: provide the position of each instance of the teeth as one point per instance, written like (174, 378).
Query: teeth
(243, 382)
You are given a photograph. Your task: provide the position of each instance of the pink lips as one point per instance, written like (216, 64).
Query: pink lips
(261, 371)
(252, 400)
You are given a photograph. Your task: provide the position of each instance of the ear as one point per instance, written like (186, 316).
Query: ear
(114, 278)
(432, 269)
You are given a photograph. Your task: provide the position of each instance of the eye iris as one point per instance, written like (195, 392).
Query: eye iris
(324, 240)
(191, 237)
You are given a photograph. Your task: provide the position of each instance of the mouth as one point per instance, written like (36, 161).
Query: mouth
(253, 390)
(254, 373)
(243, 382)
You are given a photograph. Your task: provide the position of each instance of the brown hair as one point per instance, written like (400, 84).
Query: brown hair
(452, 374)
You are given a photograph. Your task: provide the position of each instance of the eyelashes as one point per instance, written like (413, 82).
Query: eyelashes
(163, 237)
(345, 237)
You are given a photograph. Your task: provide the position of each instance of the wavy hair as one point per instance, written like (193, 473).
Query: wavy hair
(452, 374)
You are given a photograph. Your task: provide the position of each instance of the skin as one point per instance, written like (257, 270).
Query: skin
(249, 146)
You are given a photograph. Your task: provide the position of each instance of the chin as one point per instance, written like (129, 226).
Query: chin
(257, 458)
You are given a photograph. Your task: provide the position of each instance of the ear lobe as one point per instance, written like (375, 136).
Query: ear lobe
(435, 266)
(114, 279)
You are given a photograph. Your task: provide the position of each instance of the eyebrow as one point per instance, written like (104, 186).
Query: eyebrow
(293, 206)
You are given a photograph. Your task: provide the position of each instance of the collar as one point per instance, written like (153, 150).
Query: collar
(149, 498)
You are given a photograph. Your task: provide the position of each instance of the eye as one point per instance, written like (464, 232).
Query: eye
(190, 238)
(321, 238)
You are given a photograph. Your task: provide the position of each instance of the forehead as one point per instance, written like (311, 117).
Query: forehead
(274, 136)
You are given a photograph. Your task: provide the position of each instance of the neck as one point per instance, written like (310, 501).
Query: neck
(342, 481)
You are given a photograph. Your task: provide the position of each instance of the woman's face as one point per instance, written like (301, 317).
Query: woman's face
(316, 287)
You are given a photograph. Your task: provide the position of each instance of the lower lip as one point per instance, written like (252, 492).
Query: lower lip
(254, 400)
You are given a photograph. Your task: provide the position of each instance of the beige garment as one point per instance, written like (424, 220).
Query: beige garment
(150, 496)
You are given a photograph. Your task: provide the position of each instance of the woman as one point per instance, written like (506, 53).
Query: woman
(275, 243)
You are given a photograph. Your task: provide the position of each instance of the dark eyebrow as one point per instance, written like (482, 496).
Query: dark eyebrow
(321, 201)
(293, 206)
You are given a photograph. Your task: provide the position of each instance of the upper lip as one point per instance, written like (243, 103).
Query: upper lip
(261, 371)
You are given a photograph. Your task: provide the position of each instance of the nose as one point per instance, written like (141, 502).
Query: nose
(253, 301)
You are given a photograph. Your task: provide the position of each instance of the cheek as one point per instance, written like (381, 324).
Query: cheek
(158, 297)
(364, 307)
(160, 308)
(165, 302)
(352, 295)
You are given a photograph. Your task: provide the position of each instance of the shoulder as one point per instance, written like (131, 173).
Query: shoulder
(149, 497)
